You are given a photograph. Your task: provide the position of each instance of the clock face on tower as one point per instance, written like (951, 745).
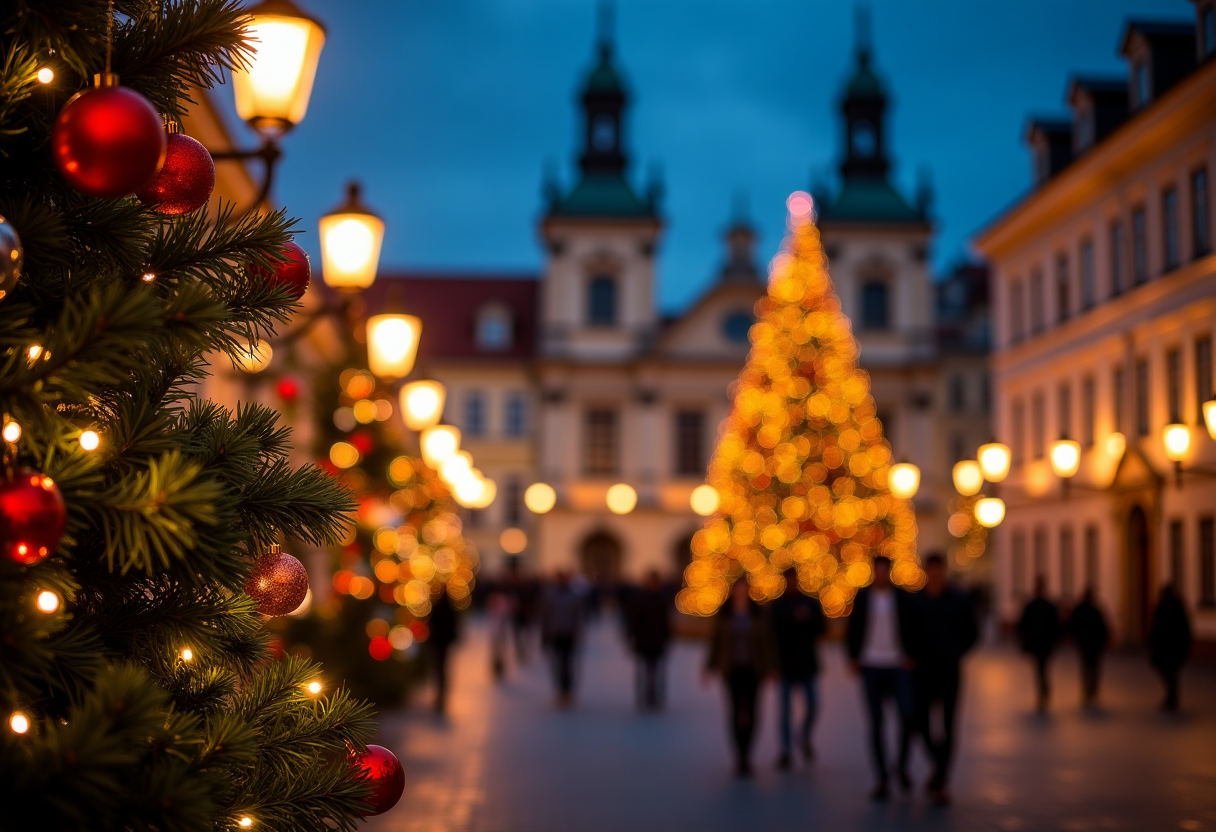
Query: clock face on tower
(603, 133)
(865, 142)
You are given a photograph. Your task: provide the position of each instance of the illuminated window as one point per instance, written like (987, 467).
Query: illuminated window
(475, 414)
(494, 328)
(516, 415)
(601, 301)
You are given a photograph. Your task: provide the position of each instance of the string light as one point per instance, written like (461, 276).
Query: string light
(314, 688)
(187, 654)
(245, 822)
(46, 75)
(34, 351)
(19, 722)
(149, 277)
(11, 431)
(89, 440)
(47, 601)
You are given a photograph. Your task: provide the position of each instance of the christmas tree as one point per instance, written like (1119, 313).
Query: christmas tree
(136, 686)
(801, 464)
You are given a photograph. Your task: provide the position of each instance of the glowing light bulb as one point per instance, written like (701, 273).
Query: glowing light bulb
(314, 688)
(1065, 457)
(704, 499)
(1177, 441)
(513, 541)
(994, 459)
(392, 344)
(34, 351)
(968, 477)
(11, 432)
(422, 403)
(439, 444)
(89, 440)
(46, 75)
(621, 498)
(187, 654)
(989, 511)
(47, 601)
(540, 497)
(1209, 416)
(1116, 444)
(149, 277)
(245, 822)
(904, 480)
(19, 722)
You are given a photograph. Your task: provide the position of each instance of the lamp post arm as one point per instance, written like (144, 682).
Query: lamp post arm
(269, 153)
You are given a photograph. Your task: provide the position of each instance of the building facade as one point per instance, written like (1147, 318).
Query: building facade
(1104, 312)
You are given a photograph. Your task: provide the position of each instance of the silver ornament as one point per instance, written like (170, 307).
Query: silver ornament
(11, 256)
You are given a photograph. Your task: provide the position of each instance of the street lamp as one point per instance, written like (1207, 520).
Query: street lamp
(903, 480)
(1209, 417)
(1065, 457)
(1177, 441)
(392, 344)
(704, 499)
(621, 498)
(968, 477)
(994, 459)
(540, 498)
(439, 444)
(989, 511)
(422, 403)
(351, 236)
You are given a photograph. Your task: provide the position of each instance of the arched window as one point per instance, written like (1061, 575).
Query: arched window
(875, 312)
(736, 326)
(865, 142)
(601, 301)
(494, 327)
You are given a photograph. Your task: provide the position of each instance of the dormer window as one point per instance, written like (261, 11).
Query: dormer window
(1084, 127)
(601, 301)
(494, 328)
(603, 133)
(1042, 163)
(865, 141)
(1141, 93)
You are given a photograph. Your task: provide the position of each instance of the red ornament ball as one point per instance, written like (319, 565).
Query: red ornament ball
(293, 274)
(288, 388)
(363, 442)
(32, 517)
(185, 181)
(278, 583)
(379, 648)
(108, 142)
(384, 775)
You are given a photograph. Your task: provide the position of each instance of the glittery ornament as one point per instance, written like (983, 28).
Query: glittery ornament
(292, 275)
(11, 257)
(32, 517)
(108, 141)
(186, 180)
(384, 775)
(278, 583)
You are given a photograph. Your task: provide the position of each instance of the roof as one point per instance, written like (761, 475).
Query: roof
(1048, 125)
(604, 78)
(864, 83)
(1093, 84)
(602, 195)
(870, 199)
(448, 304)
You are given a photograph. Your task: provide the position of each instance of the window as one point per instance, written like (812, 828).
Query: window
(690, 443)
(513, 502)
(1203, 372)
(1017, 311)
(475, 414)
(985, 393)
(1068, 576)
(603, 132)
(516, 415)
(958, 394)
(1119, 394)
(1088, 395)
(1142, 397)
(865, 140)
(1207, 561)
(1169, 220)
(493, 328)
(1037, 318)
(1063, 289)
(1201, 222)
(1018, 567)
(601, 301)
(1017, 444)
(1118, 277)
(1088, 291)
(1173, 385)
(1040, 552)
(1141, 94)
(1064, 412)
(600, 442)
(1177, 556)
(1091, 558)
(1085, 128)
(737, 326)
(958, 449)
(1207, 30)
(1038, 426)
(1139, 248)
(874, 313)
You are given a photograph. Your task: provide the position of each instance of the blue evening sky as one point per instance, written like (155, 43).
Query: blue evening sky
(449, 110)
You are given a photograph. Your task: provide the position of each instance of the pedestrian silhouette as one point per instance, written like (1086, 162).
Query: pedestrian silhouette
(1169, 642)
(946, 629)
(798, 623)
(523, 592)
(561, 626)
(499, 609)
(1039, 632)
(1089, 631)
(444, 626)
(880, 630)
(741, 651)
(649, 629)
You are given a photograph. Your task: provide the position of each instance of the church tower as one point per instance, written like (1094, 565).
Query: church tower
(597, 299)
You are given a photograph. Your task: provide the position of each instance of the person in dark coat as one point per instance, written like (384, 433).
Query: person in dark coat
(742, 652)
(946, 630)
(880, 638)
(444, 631)
(1089, 631)
(561, 626)
(1039, 632)
(649, 629)
(1169, 642)
(798, 623)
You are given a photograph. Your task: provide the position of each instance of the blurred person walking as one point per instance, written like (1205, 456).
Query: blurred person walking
(1169, 643)
(1089, 631)
(561, 616)
(880, 633)
(798, 622)
(946, 630)
(741, 651)
(499, 610)
(1039, 632)
(649, 631)
(523, 593)
(444, 631)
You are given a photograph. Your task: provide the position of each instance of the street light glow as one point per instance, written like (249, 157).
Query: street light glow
(1209, 417)
(1177, 441)
(392, 344)
(621, 498)
(439, 444)
(994, 459)
(272, 92)
(989, 511)
(1065, 457)
(540, 498)
(704, 499)
(422, 403)
(904, 480)
(968, 477)
(351, 237)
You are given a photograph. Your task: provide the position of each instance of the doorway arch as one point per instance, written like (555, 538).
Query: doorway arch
(1139, 575)
(600, 557)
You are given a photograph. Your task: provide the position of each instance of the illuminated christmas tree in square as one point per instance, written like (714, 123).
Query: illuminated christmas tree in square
(801, 467)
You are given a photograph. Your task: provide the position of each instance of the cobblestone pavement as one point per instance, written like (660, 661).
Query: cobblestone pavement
(507, 761)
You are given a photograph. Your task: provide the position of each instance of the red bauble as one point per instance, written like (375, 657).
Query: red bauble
(278, 583)
(108, 142)
(293, 274)
(384, 775)
(185, 181)
(363, 442)
(32, 517)
(288, 388)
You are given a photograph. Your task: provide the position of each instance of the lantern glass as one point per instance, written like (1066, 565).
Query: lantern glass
(1177, 441)
(904, 480)
(254, 357)
(989, 511)
(392, 344)
(1065, 457)
(1116, 444)
(704, 500)
(422, 403)
(540, 498)
(968, 477)
(351, 237)
(994, 459)
(272, 92)
(1209, 417)
(458, 466)
(439, 444)
(621, 498)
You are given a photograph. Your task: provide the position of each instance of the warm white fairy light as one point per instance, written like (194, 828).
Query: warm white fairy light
(90, 440)
(314, 688)
(187, 654)
(149, 277)
(47, 601)
(19, 722)
(245, 822)
(11, 431)
(34, 351)
(46, 75)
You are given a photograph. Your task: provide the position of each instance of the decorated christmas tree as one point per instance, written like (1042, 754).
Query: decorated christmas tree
(140, 526)
(801, 464)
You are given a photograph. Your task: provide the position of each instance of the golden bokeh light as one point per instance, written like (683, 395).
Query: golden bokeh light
(19, 723)
(422, 403)
(540, 498)
(621, 498)
(1176, 439)
(90, 440)
(1065, 456)
(439, 444)
(11, 431)
(994, 459)
(513, 541)
(968, 477)
(704, 500)
(47, 601)
(989, 511)
(344, 455)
